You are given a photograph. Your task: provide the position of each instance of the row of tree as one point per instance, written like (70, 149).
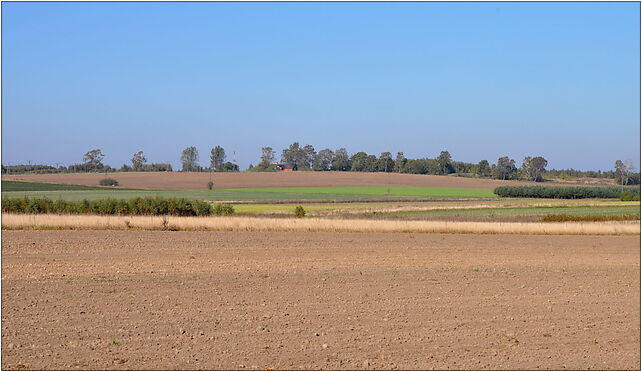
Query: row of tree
(307, 158)
(189, 161)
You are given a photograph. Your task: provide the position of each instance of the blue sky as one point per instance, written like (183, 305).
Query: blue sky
(481, 80)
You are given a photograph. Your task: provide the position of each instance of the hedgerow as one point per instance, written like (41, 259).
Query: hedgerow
(136, 206)
(562, 192)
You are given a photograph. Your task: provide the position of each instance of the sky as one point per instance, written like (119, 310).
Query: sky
(481, 80)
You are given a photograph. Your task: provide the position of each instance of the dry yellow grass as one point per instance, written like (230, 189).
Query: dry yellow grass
(314, 225)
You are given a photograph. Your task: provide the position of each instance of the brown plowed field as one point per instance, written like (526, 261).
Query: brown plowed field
(193, 181)
(223, 300)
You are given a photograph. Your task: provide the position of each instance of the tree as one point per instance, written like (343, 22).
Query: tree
(537, 168)
(138, 161)
(444, 162)
(341, 161)
(416, 166)
(362, 162)
(267, 157)
(483, 169)
(93, 159)
(189, 159)
(229, 167)
(294, 156)
(323, 160)
(359, 162)
(217, 158)
(307, 156)
(385, 162)
(622, 170)
(400, 162)
(505, 168)
(526, 167)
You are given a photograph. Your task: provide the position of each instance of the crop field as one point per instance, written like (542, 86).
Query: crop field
(40, 186)
(363, 191)
(198, 181)
(270, 300)
(505, 214)
(274, 194)
(440, 274)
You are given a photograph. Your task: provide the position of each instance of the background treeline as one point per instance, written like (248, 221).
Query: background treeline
(136, 206)
(306, 158)
(568, 192)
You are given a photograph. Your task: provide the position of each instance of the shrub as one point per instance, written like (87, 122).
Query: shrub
(210, 185)
(137, 206)
(299, 212)
(562, 192)
(629, 196)
(223, 209)
(108, 182)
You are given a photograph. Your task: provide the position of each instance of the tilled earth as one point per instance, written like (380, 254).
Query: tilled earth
(223, 300)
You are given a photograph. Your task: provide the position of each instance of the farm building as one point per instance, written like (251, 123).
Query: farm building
(286, 168)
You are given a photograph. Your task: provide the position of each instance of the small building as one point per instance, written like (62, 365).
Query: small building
(285, 168)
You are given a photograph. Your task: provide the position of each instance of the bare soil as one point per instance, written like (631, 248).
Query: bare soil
(193, 181)
(224, 300)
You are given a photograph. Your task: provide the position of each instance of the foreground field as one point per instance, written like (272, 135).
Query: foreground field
(243, 224)
(198, 181)
(207, 300)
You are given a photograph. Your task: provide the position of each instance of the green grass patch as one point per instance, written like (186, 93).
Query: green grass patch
(361, 191)
(280, 208)
(43, 186)
(518, 213)
(289, 193)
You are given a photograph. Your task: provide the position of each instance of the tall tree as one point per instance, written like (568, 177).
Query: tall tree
(537, 168)
(385, 162)
(362, 162)
(483, 169)
(505, 168)
(138, 161)
(93, 159)
(293, 156)
(526, 168)
(341, 161)
(268, 157)
(189, 159)
(622, 170)
(323, 160)
(307, 155)
(217, 158)
(400, 162)
(444, 160)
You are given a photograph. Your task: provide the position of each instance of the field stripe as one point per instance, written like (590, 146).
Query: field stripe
(315, 225)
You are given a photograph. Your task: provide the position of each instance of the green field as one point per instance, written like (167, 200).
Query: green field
(272, 194)
(508, 214)
(363, 191)
(42, 186)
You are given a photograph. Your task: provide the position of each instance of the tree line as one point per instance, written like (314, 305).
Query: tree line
(306, 158)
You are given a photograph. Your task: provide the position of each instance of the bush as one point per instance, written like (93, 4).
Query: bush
(563, 192)
(629, 196)
(299, 212)
(210, 185)
(136, 206)
(223, 209)
(108, 182)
